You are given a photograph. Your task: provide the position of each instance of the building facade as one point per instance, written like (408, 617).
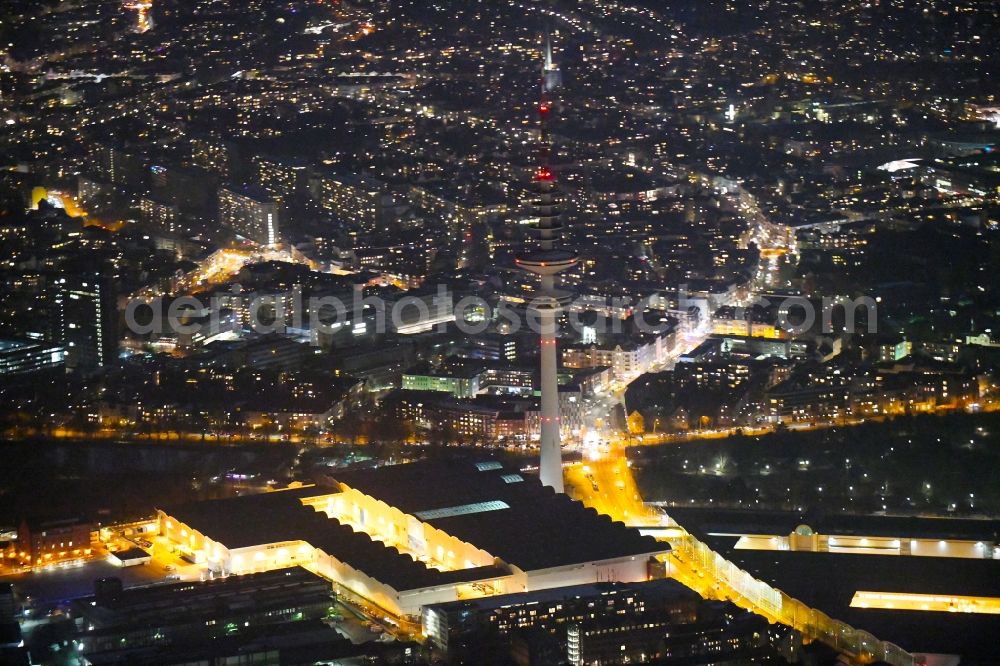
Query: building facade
(251, 214)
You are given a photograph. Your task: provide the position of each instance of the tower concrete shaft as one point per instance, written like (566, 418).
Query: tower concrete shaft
(550, 459)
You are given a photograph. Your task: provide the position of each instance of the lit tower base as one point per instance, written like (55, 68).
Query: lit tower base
(546, 262)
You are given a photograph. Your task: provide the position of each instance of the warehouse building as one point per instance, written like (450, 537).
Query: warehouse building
(402, 537)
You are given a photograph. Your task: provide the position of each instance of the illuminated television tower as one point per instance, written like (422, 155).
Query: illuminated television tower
(144, 18)
(546, 261)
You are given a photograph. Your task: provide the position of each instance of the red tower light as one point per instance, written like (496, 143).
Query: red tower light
(544, 175)
(543, 108)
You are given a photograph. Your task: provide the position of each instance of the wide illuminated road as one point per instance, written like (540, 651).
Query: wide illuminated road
(608, 486)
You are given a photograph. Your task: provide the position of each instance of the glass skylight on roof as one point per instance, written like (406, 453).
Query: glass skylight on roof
(512, 478)
(488, 466)
(462, 510)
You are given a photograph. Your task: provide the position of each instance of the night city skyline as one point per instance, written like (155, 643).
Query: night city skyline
(546, 332)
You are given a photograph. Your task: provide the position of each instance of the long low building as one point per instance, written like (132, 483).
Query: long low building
(968, 538)
(930, 585)
(401, 537)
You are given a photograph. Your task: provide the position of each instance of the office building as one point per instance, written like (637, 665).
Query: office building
(43, 541)
(282, 178)
(460, 380)
(356, 199)
(87, 320)
(251, 213)
(160, 215)
(23, 356)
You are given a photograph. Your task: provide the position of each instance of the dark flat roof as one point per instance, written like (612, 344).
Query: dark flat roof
(537, 529)
(304, 641)
(843, 574)
(509, 515)
(240, 522)
(185, 602)
(828, 582)
(662, 588)
(131, 554)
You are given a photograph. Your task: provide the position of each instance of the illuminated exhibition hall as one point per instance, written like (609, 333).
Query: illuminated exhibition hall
(405, 536)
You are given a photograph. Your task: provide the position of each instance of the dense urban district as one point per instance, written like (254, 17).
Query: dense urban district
(480, 332)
